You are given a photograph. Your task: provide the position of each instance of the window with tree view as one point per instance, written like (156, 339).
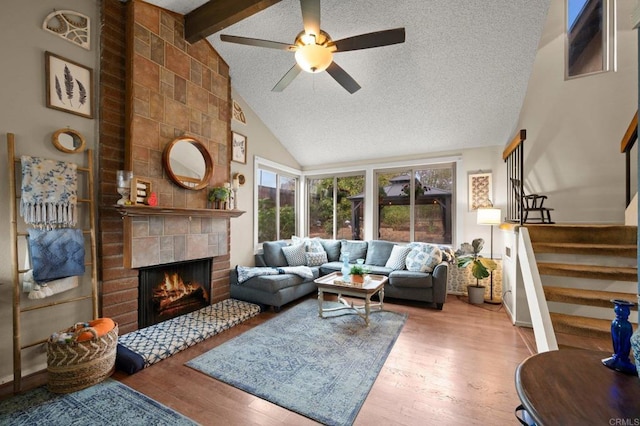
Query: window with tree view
(415, 204)
(276, 205)
(336, 207)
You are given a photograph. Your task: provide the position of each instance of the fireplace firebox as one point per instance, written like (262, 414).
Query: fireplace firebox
(173, 289)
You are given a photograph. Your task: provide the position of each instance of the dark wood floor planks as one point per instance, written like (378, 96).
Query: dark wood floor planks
(454, 366)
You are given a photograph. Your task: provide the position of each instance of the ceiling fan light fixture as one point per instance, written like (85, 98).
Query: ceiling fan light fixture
(314, 58)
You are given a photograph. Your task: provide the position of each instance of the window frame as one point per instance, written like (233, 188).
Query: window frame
(279, 170)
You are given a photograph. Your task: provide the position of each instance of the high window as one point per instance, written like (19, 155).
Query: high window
(590, 37)
(416, 204)
(276, 206)
(336, 207)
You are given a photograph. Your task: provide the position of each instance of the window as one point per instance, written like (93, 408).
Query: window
(336, 207)
(277, 213)
(588, 26)
(415, 204)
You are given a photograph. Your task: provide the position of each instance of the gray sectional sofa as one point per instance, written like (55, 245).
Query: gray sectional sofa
(416, 271)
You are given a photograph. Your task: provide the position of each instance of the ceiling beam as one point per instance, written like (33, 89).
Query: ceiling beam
(216, 15)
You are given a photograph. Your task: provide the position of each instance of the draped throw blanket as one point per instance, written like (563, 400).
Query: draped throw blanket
(49, 192)
(57, 253)
(245, 272)
(41, 290)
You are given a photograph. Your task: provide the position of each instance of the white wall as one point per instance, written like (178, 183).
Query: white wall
(574, 127)
(23, 112)
(262, 143)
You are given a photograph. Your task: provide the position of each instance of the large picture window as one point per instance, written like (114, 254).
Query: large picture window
(415, 204)
(336, 207)
(277, 213)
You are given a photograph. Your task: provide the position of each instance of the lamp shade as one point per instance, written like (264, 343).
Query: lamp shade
(489, 216)
(314, 58)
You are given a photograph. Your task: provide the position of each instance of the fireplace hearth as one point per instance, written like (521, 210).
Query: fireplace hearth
(169, 290)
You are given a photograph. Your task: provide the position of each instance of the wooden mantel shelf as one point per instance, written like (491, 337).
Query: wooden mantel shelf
(137, 211)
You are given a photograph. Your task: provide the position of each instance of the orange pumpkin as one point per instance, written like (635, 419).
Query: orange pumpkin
(101, 325)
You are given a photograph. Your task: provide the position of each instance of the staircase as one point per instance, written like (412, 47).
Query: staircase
(583, 267)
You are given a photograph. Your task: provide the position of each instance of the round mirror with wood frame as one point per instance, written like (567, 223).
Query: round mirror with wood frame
(68, 140)
(188, 163)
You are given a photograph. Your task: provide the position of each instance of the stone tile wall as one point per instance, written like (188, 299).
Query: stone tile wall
(166, 88)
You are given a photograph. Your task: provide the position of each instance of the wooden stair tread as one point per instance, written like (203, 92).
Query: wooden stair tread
(581, 326)
(586, 297)
(624, 250)
(587, 234)
(617, 273)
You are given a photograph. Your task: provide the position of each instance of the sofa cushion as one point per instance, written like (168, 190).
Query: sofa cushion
(423, 257)
(332, 247)
(274, 283)
(356, 249)
(316, 259)
(398, 257)
(295, 254)
(378, 252)
(311, 245)
(410, 279)
(273, 255)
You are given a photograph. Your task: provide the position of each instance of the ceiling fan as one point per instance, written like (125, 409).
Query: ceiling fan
(314, 48)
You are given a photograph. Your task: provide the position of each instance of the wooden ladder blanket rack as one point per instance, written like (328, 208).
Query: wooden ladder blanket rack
(18, 308)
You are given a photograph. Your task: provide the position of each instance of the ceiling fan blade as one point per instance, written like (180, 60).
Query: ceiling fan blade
(311, 16)
(287, 78)
(344, 79)
(369, 40)
(258, 42)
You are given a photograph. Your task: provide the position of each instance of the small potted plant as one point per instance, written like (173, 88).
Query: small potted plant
(357, 273)
(218, 195)
(469, 254)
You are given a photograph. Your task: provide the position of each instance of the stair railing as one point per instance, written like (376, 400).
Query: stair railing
(513, 155)
(538, 309)
(626, 145)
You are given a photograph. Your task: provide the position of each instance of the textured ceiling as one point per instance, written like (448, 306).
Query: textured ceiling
(457, 82)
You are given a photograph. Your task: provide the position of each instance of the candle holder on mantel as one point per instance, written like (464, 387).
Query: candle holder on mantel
(621, 330)
(123, 183)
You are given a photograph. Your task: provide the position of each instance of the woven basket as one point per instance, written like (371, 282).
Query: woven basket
(77, 365)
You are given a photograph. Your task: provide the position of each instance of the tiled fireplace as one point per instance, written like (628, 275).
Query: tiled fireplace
(163, 88)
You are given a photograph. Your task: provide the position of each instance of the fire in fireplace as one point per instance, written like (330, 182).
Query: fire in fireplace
(167, 291)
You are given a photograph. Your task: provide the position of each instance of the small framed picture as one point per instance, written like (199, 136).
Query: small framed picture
(140, 190)
(69, 86)
(238, 148)
(480, 190)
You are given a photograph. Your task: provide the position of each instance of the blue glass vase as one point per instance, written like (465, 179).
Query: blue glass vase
(346, 268)
(621, 330)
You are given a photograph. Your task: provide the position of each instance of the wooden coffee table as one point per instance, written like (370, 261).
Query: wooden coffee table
(332, 283)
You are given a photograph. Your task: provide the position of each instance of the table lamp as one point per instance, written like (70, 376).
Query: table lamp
(490, 216)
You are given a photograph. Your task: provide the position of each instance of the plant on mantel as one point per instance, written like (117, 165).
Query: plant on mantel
(218, 195)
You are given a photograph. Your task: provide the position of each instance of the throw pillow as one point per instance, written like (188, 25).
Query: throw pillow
(316, 259)
(378, 252)
(311, 245)
(423, 257)
(332, 247)
(398, 257)
(295, 255)
(356, 249)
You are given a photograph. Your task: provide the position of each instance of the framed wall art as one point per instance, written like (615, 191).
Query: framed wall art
(480, 190)
(238, 148)
(69, 86)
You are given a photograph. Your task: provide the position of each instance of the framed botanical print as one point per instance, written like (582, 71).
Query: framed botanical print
(69, 85)
(239, 148)
(480, 190)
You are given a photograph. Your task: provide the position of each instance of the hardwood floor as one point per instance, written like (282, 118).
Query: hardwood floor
(454, 366)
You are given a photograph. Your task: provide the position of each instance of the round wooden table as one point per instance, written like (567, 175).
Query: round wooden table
(568, 387)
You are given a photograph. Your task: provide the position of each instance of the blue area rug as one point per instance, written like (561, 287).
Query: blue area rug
(320, 368)
(107, 403)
